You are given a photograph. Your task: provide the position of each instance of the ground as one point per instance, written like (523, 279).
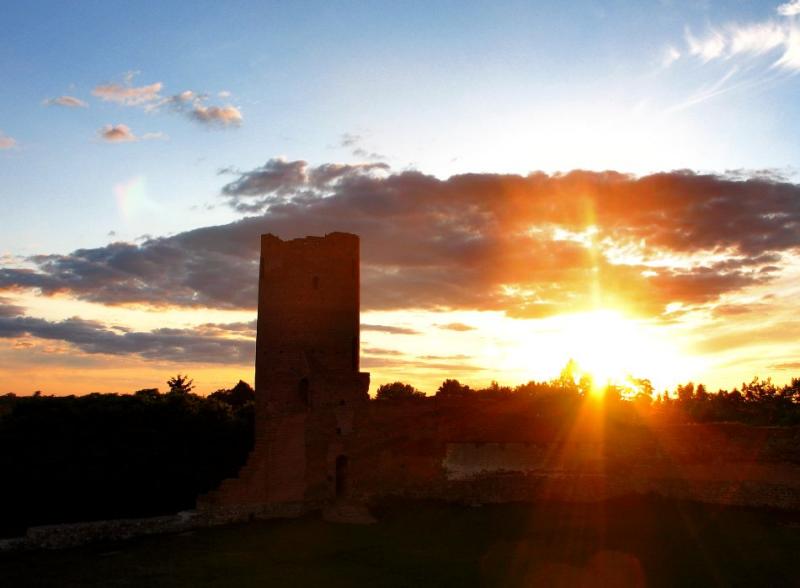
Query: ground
(642, 541)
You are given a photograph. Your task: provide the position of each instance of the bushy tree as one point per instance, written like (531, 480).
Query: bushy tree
(453, 389)
(685, 392)
(397, 391)
(495, 390)
(239, 396)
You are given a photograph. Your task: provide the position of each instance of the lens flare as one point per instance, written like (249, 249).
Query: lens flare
(132, 199)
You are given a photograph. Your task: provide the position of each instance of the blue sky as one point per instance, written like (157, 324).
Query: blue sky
(440, 87)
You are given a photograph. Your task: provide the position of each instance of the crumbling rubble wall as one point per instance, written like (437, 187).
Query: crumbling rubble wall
(494, 451)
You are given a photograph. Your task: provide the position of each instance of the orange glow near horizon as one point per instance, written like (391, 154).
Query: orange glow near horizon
(609, 347)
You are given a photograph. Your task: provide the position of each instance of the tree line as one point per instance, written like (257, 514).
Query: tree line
(103, 456)
(757, 402)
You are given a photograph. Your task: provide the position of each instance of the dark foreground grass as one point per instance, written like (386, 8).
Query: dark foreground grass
(622, 543)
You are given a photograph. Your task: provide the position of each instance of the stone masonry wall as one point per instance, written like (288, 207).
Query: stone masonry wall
(496, 451)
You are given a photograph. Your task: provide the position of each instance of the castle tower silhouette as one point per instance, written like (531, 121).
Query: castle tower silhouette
(308, 383)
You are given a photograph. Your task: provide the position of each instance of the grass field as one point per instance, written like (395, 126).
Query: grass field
(623, 543)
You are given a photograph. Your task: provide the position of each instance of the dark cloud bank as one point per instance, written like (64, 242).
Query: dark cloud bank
(209, 343)
(478, 241)
(472, 241)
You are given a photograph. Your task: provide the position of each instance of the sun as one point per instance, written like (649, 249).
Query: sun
(606, 344)
(611, 348)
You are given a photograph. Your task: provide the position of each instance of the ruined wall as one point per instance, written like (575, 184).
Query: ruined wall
(318, 439)
(502, 451)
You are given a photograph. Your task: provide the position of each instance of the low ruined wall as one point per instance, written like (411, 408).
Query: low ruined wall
(77, 534)
(499, 452)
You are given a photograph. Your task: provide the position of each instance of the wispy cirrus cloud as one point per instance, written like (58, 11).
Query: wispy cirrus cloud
(670, 56)
(753, 53)
(66, 101)
(778, 38)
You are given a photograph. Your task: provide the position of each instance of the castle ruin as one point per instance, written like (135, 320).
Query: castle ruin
(308, 383)
(320, 441)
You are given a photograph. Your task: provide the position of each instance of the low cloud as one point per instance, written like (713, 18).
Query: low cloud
(789, 365)
(448, 369)
(380, 351)
(279, 179)
(390, 329)
(123, 134)
(174, 345)
(8, 309)
(532, 246)
(66, 101)
(193, 106)
(219, 115)
(456, 327)
(117, 134)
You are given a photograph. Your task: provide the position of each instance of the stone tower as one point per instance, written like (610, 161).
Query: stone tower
(308, 384)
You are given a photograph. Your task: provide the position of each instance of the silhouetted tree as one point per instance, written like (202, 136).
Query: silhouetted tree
(114, 456)
(180, 384)
(397, 391)
(150, 393)
(495, 390)
(453, 389)
(685, 392)
(237, 397)
(791, 392)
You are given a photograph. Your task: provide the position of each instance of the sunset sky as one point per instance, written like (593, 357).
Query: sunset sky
(615, 182)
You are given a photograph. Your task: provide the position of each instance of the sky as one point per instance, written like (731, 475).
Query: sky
(613, 182)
